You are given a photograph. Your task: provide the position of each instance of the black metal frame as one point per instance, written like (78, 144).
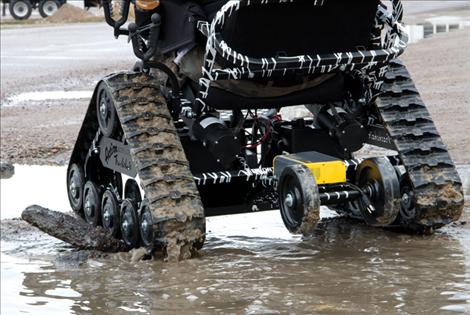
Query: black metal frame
(372, 64)
(246, 67)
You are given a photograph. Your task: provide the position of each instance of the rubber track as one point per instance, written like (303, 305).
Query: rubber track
(434, 179)
(159, 157)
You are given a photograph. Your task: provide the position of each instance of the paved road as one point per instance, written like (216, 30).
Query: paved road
(37, 55)
(73, 56)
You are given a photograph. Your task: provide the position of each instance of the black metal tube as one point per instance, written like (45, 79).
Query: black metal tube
(171, 76)
(328, 198)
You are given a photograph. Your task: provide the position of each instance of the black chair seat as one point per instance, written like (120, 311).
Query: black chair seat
(332, 89)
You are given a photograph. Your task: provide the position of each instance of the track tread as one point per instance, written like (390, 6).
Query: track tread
(436, 183)
(158, 155)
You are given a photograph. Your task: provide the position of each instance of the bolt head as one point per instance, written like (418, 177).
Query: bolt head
(103, 110)
(289, 200)
(145, 226)
(125, 226)
(88, 208)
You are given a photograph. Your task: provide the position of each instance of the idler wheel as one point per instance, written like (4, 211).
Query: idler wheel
(299, 199)
(407, 210)
(147, 233)
(130, 224)
(378, 179)
(75, 183)
(132, 191)
(92, 203)
(105, 111)
(110, 212)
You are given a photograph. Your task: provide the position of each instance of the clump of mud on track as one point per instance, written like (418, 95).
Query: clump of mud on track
(7, 170)
(69, 14)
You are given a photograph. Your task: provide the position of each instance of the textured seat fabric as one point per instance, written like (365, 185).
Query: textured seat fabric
(300, 28)
(331, 89)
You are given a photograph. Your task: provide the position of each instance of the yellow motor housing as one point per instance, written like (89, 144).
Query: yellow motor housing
(326, 169)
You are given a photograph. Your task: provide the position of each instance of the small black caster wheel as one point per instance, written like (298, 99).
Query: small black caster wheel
(147, 233)
(299, 199)
(75, 183)
(92, 203)
(110, 213)
(106, 112)
(130, 224)
(378, 179)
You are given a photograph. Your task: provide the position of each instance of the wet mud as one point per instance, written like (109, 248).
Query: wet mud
(7, 170)
(250, 264)
(345, 266)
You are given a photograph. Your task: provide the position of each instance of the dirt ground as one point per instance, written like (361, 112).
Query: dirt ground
(70, 13)
(440, 68)
(44, 132)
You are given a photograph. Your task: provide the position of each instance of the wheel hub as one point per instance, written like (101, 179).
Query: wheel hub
(50, 7)
(289, 200)
(73, 188)
(405, 199)
(20, 9)
(103, 110)
(407, 202)
(107, 216)
(88, 208)
(125, 227)
(146, 227)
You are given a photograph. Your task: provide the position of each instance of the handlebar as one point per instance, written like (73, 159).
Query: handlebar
(142, 51)
(116, 24)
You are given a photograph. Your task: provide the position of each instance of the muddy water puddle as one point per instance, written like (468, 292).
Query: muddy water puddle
(249, 265)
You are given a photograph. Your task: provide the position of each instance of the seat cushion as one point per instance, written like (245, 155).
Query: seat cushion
(300, 28)
(330, 90)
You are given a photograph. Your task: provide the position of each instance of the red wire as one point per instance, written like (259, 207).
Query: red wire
(260, 141)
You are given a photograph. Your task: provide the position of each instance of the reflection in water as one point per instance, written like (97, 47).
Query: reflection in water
(344, 267)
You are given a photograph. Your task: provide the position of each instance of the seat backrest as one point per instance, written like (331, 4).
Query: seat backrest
(299, 28)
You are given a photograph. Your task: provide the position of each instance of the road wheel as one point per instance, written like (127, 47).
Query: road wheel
(378, 177)
(20, 9)
(48, 7)
(107, 117)
(92, 203)
(75, 183)
(110, 211)
(299, 199)
(130, 224)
